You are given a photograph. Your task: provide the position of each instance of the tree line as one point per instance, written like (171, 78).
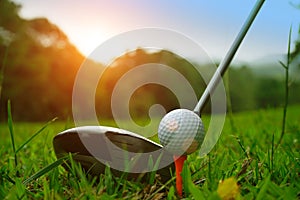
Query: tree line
(39, 66)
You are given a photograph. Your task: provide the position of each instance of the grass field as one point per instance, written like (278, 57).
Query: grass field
(246, 157)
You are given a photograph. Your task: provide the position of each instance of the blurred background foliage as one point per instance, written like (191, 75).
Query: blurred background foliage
(38, 67)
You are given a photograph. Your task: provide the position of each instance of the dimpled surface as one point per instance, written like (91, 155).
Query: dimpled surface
(181, 131)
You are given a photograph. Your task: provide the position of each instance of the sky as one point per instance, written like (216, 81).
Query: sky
(212, 24)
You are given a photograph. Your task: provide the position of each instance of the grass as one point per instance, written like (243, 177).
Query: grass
(245, 154)
(287, 85)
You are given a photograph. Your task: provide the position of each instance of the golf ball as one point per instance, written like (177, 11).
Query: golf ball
(181, 131)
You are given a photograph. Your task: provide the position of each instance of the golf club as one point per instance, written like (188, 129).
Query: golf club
(119, 147)
(96, 147)
(181, 125)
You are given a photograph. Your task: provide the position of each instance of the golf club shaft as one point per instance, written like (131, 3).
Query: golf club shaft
(227, 59)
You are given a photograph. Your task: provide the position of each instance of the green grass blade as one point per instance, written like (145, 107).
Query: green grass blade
(171, 193)
(272, 155)
(264, 189)
(34, 135)
(188, 185)
(282, 64)
(196, 193)
(242, 146)
(109, 182)
(289, 46)
(153, 168)
(11, 130)
(286, 96)
(150, 166)
(46, 169)
(8, 178)
(186, 178)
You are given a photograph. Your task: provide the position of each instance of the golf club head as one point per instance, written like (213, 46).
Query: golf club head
(96, 146)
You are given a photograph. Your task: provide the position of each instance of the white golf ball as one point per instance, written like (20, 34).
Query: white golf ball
(181, 131)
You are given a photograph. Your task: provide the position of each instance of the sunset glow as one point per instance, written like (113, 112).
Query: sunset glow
(212, 24)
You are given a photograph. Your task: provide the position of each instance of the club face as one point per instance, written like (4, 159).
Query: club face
(96, 146)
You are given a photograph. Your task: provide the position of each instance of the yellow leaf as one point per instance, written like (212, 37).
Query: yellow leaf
(228, 189)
